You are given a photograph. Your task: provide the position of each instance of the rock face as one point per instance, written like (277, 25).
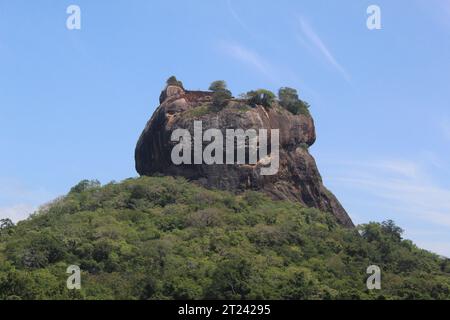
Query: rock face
(298, 178)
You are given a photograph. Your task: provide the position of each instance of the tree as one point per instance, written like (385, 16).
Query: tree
(219, 85)
(221, 95)
(290, 101)
(371, 231)
(231, 280)
(85, 185)
(6, 224)
(179, 240)
(261, 97)
(287, 95)
(173, 81)
(389, 227)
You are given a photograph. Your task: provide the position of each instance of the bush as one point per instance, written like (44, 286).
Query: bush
(304, 146)
(261, 97)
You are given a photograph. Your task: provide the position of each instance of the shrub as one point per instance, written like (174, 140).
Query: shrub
(304, 146)
(261, 97)
(199, 111)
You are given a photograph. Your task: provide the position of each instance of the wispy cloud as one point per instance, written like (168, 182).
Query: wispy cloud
(251, 59)
(438, 246)
(402, 185)
(17, 212)
(397, 189)
(312, 40)
(237, 18)
(403, 168)
(276, 74)
(18, 201)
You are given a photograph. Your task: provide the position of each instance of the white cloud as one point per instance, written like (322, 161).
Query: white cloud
(436, 246)
(248, 57)
(17, 212)
(18, 201)
(277, 75)
(313, 40)
(399, 189)
(404, 186)
(238, 18)
(404, 168)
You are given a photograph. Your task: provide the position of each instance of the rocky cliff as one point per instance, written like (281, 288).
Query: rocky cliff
(298, 178)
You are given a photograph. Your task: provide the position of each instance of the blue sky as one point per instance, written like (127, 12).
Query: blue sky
(73, 103)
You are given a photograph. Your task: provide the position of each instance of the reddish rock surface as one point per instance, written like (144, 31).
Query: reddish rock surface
(298, 178)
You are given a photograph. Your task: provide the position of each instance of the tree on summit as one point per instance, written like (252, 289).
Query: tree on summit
(173, 81)
(218, 85)
(290, 101)
(262, 97)
(221, 94)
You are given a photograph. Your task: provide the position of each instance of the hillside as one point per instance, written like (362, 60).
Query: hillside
(166, 238)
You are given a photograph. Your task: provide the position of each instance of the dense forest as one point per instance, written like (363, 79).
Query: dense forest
(166, 238)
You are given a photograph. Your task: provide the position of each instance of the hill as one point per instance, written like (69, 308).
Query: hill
(167, 238)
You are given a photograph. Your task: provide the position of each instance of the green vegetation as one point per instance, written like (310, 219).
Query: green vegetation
(262, 97)
(304, 146)
(242, 107)
(289, 100)
(165, 238)
(199, 111)
(221, 95)
(219, 85)
(173, 81)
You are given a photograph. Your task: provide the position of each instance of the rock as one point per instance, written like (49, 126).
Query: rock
(170, 92)
(298, 178)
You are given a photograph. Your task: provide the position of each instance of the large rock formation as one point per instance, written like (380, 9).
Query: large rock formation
(298, 178)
